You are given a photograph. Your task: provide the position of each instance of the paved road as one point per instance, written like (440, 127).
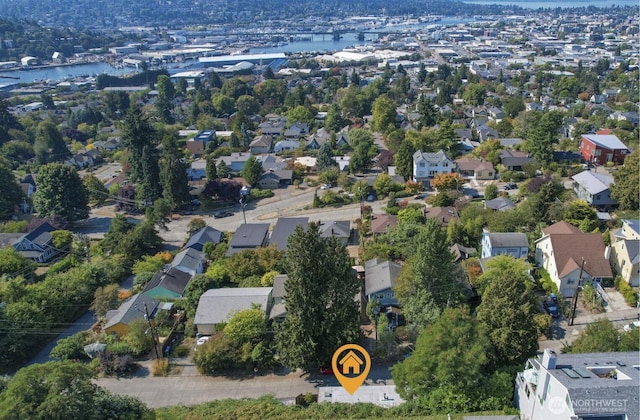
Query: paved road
(189, 388)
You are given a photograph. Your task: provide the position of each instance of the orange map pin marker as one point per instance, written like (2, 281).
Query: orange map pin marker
(351, 365)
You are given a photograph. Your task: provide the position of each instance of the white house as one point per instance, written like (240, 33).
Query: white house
(579, 386)
(217, 305)
(197, 169)
(625, 251)
(510, 243)
(428, 165)
(568, 254)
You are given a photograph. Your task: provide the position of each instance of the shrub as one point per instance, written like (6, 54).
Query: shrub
(629, 294)
(160, 367)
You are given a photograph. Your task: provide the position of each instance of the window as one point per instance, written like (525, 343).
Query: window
(598, 152)
(445, 165)
(421, 164)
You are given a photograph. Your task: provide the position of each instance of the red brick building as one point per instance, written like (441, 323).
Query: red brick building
(602, 148)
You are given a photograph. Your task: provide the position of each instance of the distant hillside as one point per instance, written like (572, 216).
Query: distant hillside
(111, 14)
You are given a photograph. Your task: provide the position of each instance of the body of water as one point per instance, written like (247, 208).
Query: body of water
(60, 72)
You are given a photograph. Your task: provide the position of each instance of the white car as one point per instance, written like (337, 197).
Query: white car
(632, 326)
(202, 340)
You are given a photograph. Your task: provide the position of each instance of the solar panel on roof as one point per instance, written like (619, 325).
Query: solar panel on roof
(621, 364)
(583, 372)
(570, 373)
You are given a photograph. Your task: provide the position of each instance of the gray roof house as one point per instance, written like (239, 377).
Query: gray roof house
(118, 320)
(284, 228)
(509, 243)
(593, 187)
(168, 284)
(379, 280)
(236, 160)
(581, 385)
(189, 260)
(203, 236)
(514, 159)
(248, 236)
(36, 245)
(340, 229)
(217, 305)
(279, 309)
(500, 203)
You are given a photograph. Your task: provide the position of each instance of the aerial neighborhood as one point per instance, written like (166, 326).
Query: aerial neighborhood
(457, 193)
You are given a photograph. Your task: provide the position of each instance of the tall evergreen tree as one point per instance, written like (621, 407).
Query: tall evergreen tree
(148, 189)
(403, 159)
(173, 174)
(7, 122)
(212, 172)
(60, 192)
(10, 193)
(137, 133)
(49, 145)
(321, 312)
(324, 159)
(252, 170)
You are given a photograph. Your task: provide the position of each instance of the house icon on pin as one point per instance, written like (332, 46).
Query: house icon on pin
(351, 363)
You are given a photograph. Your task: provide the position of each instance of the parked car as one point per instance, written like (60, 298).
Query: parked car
(632, 326)
(201, 340)
(371, 198)
(326, 370)
(554, 298)
(511, 186)
(552, 309)
(221, 214)
(325, 186)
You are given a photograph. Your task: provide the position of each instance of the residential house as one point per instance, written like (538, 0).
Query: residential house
(571, 256)
(37, 245)
(278, 310)
(205, 136)
(504, 243)
(286, 146)
(274, 127)
(190, 261)
(271, 162)
(443, 215)
(476, 168)
(197, 170)
(567, 157)
(602, 148)
(579, 386)
(593, 187)
(196, 148)
(381, 223)
(625, 251)
(205, 235)
(118, 320)
(342, 161)
(379, 281)
(275, 179)
(427, 165)
(261, 145)
(27, 191)
(317, 139)
(296, 131)
(461, 252)
(500, 204)
(285, 226)
(340, 229)
(235, 162)
(168, 285)
(513, 160)
(216, 306)
(249, 236)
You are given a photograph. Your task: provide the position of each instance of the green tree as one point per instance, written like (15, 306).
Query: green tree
(222, 169)
(321, 312)
(71, 348)
(324, 158)
(474, 94)
(212, 171)
(248, 105)
(300, 114)
(403, 160)
(49, 145)
(432, 269)
(383, 185)
(104, 299)
(384, 115)
(13, 264)
(246, 326)
(138, 336)
(451, 353)
(149, 188)
(334, 121)
(60, 192)
(491, 192)
(251, 171)
(580, 213)
(96, 190)
(626, 186)
(8, 121)
(164, 101)
(137, 133)
(62, 390)
(173, 174)
(598, 337)
(507, 309)
(11, 194)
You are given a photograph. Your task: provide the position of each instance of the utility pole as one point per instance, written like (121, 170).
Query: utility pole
(152, 330)
(574, 302)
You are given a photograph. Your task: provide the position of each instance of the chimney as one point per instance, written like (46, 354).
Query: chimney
(549, 359)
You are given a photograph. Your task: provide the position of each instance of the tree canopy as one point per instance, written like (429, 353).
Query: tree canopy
(321, 312)
(60, 192)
